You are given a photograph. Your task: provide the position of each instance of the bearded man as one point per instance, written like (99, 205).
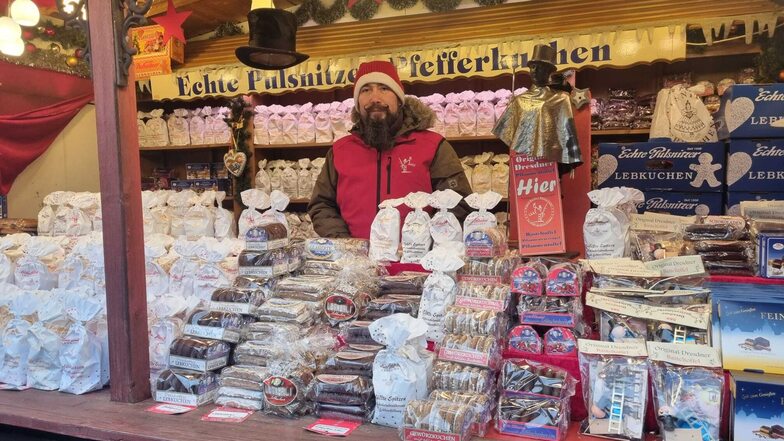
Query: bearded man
(388, 154)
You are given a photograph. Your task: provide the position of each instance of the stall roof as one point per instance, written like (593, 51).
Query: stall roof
(535, 18)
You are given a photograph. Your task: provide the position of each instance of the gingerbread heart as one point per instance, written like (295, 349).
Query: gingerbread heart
(738, 112)
(607, 166)
(235, 162)
(737, 167)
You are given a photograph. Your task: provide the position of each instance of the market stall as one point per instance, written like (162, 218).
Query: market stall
(561, 297)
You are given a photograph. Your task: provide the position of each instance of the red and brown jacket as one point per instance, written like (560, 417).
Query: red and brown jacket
(357, 177)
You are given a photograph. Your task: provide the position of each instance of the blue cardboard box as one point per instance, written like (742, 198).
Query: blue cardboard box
(752, 335)
(734, 198)
(752, 111)
(770, 250)
(757, 408)
(756, 165)
(181, 184)
(671, 166)
(218, 171)
(198, 170)
(3, 206)
(682, 204)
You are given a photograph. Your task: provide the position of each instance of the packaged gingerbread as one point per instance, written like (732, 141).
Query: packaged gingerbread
(435, 419)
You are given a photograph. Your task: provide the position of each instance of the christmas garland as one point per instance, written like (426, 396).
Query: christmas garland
(441, 5)
(363, 9)
(770, 61)
(399, 5)
(327, 15)
(302, 14)
(238, 121)
(227, 29)
(490, 2)
(63, 53)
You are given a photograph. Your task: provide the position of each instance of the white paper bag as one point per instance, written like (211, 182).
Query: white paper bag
(16, 347)
(440, 287)
(306, 124)
(255, 200)
(402, 369)
(467, 110)
(452, 115)
(45, 338)
(261, 115)
(179, 130)
(444, 226)
(606, 229)
(385, 232)
(80, 354)
(415, 236)
(199, 219)
(263, 178)
(322, 122)
(481, 219)
(224, 219)
(197, 126)
(288, 125)
(482, 177)
(499, 181)
(304, 180)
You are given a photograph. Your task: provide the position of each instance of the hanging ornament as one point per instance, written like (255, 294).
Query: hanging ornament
(72, 61)
(781, 76)
(172, 23)
(50, 31)
(55, 47)
(235, 162)
(79, 53)
(41, 29)
(30, 48)
(27, 34)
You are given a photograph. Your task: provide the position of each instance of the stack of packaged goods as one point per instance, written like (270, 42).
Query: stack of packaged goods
(756, 143)
(724, 244)
(549, 308)
(534, 400)
(767, 234)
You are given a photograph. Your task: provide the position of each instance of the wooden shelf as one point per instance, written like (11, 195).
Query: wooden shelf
(183, 147)
(457, 139)
(617, 132)
(299, 201)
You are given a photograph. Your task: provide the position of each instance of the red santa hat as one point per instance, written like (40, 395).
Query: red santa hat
(378, 71)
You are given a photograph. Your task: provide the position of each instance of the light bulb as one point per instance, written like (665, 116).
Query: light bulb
(12, 48)
(25, 12)
(9, 29)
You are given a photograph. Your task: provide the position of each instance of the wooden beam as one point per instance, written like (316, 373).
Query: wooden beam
(123, 237)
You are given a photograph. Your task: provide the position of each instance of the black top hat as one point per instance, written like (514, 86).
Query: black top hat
(543, 54)
(272, 43)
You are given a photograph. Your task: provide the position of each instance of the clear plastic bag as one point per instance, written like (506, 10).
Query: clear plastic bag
(615, 388)
(219, 325)
(246, 377)
(198, 354)
(688, 395)
(496, 270)
(467, 321)
(286, 391)
(343, 390)
(306, 288)
(480, 404)
(437, 417)
(334, 249)
(391, 304)
(456, 376)
(403, 283)
(287, 311)
(258, 353)
(350, 363)
(185, 387)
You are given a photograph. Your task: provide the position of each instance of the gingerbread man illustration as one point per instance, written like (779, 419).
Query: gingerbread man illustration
(706, 171)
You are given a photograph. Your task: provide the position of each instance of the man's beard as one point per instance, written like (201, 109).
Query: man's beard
(380, 133)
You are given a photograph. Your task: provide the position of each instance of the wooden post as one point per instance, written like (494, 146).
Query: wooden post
(123, 236)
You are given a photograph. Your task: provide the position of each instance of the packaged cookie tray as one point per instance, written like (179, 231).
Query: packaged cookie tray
(247, 377)
(460, 377)
(264, 284)
(407, 282)
(237, 300)
(346, 412)
(492, 297)
(260, 331)
(533, 417)
(296, 312)
(391, 304)
(482, 405)
(357, 332)
(468, 321)
(198, 354)
(485, 243)
(334, 249)
(523, 378)
(433, 419)
(258, 353)
(266, 237)
(497, 270)
(354, 390)
(304, 287)
(285, 393)
(264, 264)
(184, 387)
(350, 363)
(549, 311)
(217, 325)
(474, 350)
(239, 403)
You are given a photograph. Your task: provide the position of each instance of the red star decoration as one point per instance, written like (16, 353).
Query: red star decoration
(172, 23)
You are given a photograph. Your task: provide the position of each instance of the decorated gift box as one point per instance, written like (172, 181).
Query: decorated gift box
(771, 258)
(752, 335)
(670, 166)
(756, 165)
(682, 204)
(752, 111)
(734, 198)
(197, 171)
(757, 406)
(153, 56)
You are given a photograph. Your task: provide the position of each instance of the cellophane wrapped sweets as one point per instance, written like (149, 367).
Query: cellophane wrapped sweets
(688, 387)
(614, 379)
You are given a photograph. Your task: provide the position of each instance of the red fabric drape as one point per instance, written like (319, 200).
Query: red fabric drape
(25, 136)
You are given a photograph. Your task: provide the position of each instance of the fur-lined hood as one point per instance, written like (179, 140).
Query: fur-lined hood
(416, 116)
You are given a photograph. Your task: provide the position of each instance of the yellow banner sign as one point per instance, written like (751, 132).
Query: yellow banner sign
(485, 59)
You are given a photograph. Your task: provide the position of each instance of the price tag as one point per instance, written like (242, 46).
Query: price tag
(227, 415)
(330, 427)
(170, 409)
